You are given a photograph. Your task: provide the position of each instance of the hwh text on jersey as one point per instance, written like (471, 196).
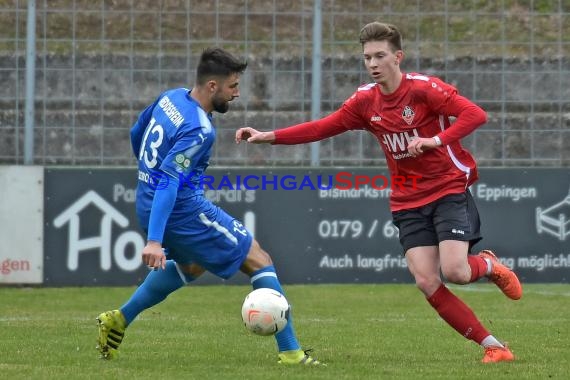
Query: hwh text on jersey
(398, 142)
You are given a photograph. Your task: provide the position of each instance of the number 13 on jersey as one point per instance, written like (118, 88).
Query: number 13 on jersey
(157, 132)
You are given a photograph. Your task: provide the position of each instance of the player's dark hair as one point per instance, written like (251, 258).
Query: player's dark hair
(378, 31)
(216, 62)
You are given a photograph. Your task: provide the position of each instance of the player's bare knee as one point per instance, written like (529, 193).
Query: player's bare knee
(428, 285)
(256, 259)
(456, 275)
(193, 270)
(259, 253)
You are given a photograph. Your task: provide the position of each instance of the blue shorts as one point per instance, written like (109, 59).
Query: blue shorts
(209, 237)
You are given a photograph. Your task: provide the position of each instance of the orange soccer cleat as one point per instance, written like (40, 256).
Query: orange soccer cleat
(502, 276)
(495, 354)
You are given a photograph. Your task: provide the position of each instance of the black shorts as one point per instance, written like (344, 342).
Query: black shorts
(453, 217)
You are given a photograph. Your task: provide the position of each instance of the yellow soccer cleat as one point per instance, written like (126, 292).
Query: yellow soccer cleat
(298, 357)
(111, 332)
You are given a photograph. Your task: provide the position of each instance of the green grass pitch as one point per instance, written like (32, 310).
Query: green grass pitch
(360, 331)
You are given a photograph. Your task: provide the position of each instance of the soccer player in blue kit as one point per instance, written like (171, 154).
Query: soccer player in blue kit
(186, 233)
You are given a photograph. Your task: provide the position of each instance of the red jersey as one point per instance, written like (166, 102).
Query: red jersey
(420, 107)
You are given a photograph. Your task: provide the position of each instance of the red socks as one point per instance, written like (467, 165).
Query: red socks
(478, 267)
(457, 314)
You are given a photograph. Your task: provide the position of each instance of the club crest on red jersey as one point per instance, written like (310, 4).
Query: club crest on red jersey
(408, 115)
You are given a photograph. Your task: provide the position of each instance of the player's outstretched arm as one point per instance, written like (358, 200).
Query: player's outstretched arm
(254, 136)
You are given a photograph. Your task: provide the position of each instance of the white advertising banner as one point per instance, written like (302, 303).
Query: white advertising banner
(21, 224)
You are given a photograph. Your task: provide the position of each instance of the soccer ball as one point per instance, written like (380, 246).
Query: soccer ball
(265, 311)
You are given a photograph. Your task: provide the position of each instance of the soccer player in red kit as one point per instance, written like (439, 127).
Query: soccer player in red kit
(438, 221)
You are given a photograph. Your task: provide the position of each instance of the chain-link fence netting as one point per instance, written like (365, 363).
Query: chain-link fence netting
(99, 62)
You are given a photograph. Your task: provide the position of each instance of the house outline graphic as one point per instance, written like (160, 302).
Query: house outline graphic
(103, 242)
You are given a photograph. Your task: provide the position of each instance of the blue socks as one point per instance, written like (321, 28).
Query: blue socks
(157, 285)
(267, 278)
(160, 283)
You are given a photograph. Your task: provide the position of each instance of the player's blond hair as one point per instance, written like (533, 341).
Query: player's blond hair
(378, 31)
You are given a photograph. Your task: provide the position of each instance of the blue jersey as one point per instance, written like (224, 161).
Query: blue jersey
(172, 140)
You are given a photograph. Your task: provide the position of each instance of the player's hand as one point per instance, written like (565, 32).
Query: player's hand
(419, 145)
(153, 255)
(254, 136)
